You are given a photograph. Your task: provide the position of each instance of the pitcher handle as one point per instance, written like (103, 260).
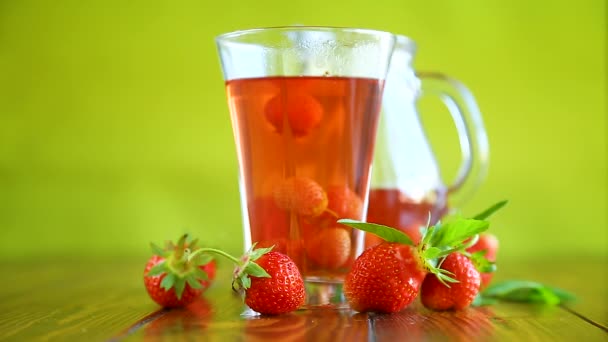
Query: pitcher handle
(471, 132)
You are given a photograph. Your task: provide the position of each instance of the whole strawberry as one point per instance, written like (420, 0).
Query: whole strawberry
(436, 295)
(269, 282)
(386, 278)
(282, 292)
(487, 246)
(172, 279)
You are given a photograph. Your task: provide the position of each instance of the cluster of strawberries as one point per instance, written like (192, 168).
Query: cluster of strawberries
(388, 277)
(447, 268)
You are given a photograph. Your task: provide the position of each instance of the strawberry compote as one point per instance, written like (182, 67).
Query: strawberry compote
(305, 148)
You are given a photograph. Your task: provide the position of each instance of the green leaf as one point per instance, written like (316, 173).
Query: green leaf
(157, 250)
(387, 233)
(168, 281)
(491, 210)
(427, 233)
(203, 259)
(179, 285)
(256, 270)
(200, 274)
(482, 264)
(245, 282)
(481, 300)
(258, 252)
(456, 232)
(157, 269)
(527, 291)
(192, 244)
(193, 282)
(431, 253)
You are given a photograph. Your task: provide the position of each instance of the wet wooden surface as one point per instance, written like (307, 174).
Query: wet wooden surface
(106, 301)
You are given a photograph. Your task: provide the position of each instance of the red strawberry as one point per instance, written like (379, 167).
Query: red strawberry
(438, 296)
(344, 202)
(303, 113)
(489, 243)
(330, 248)
(281, 292)
(172, 279)
(385, 278)
(270, 282)
(302, 195)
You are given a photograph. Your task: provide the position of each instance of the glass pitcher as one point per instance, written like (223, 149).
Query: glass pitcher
(407, 190)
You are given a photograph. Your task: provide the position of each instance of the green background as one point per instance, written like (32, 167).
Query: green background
(114, 128)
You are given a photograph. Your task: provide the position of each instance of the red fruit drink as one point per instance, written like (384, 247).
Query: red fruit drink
(305, 148)
(391, 207)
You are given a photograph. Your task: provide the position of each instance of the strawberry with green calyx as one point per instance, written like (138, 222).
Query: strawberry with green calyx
(483, 254)
(387, 277)
(437, 296)
(482, 250)
(172, 279)
(269, 281)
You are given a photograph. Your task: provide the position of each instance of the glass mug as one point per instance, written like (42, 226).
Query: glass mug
(406, 187)
(304, 105)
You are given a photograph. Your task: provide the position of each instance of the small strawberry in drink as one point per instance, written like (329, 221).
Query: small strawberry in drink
(301, 112)
(269, 224)
(344, 202)
(436, 295)
(301, 195)
(330, 248)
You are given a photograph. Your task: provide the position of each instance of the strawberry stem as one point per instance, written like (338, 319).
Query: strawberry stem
(213, 251)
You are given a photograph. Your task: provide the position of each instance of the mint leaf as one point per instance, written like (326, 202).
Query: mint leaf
(491, 210)
(386, 233)
(528, 292)
(455, 232)
(481, 300)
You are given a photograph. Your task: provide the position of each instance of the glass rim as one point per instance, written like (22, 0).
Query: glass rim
(406, 42)
(232, 36)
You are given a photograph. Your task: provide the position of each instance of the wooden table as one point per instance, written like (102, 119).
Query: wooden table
(103, 300)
